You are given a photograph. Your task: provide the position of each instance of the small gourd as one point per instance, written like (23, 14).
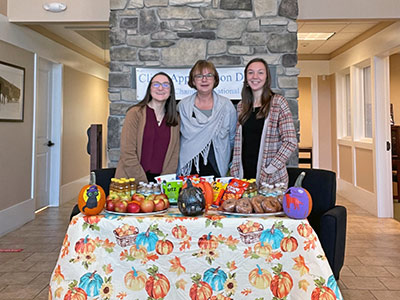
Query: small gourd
(297, 202)
(91, 199)
(191, 201)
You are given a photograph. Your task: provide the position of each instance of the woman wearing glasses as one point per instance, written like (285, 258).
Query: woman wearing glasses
(265, 135)
(208, 122)
(150, 135)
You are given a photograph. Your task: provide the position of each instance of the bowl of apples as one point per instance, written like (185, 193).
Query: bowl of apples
(250, 231)
(126, 235)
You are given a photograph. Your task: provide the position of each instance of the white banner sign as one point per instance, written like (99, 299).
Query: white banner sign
(230, 81)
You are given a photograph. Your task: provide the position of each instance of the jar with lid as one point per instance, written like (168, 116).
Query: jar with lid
(132, 186)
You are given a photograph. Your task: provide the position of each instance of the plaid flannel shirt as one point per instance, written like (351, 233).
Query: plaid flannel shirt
(279, 143)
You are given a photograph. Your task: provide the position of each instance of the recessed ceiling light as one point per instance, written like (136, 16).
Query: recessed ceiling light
(55, 7)
(314, 36)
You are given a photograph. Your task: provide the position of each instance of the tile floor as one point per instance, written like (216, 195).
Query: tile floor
(371, 270)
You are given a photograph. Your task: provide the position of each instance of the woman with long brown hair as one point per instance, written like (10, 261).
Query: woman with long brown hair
(150, 134)
(265, 135)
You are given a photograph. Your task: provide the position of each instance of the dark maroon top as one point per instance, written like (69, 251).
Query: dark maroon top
(155, 143)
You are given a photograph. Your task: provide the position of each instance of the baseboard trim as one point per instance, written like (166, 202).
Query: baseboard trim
(71, 190)
(17, 215)
(359, 196)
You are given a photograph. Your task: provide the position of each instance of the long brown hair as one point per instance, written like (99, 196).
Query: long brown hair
(171, 114)
(247, 95)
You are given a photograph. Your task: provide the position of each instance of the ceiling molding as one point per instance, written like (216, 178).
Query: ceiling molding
(56, 38)
(313, 56)
(362, 37)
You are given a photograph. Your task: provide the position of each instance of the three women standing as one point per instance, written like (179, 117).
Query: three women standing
(150, 134)
(208, 122)
(265, 135)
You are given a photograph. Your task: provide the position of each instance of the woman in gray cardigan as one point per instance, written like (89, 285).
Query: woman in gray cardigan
(208, 123)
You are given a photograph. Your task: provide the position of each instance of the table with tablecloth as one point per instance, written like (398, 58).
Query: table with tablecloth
(171, 256)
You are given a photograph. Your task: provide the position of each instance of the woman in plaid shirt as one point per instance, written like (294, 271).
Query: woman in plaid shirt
(265, 135)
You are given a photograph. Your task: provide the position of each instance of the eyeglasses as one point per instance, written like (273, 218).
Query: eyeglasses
(157, 84)
(206, 76)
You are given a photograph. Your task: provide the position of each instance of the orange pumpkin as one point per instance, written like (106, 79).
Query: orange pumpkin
(305, 230)
(91, 199)
(282, 282)
(157, 285)
(200, 290)
(322, 292)
(260, 278)
(164, 247)
(208, 242)
(207, 190)
(179, 231)
(85, 245)
(135, 280)
(75, 293)
(289, 244)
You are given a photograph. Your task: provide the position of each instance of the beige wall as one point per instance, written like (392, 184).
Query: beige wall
(333, 122)
(3, 7)
(305, 112)
(395, 86)
(345, 163)
(364, 171)
(324, 122)
(85, 102)
(16, 137)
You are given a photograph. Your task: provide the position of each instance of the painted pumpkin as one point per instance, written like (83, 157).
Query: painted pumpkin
(289, 244)
(75, 293)
(147, 239)
(200, 290)
(91, 199)
(164, 247)
(215, 278)
(91, 283)
(305, 230)
(262, 249)
(85, 245)
(208, 242)
(135, 280)
(179, 231)
(191, 201)
(332, 284)
(207, 190)
(138, 252)
(272, 236)
(297, 202)
(260, 278)
(157, 285)
(281, 283)
(322, 292)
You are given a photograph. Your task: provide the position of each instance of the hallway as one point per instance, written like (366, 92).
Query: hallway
(371, 271)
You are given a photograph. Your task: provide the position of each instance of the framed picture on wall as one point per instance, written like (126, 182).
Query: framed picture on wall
(12, 84)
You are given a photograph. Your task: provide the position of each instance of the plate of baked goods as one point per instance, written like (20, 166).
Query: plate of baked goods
(139, 214)
(260, 206)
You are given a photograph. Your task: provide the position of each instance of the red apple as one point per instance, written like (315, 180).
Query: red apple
(151, 197)
(159, 204)
(114, 197)
(164, 198)
(120, 206)
(133, 207)
(110, 205)
(137, 197)
(147, 206)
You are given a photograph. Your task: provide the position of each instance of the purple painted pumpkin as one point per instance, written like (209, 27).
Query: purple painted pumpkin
(297, 202)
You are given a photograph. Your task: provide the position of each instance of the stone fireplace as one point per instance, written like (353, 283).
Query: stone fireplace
(177, 33)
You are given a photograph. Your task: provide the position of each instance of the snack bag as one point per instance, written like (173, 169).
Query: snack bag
(172, 189)
(218, 189)
(235, 189)
(184, 178)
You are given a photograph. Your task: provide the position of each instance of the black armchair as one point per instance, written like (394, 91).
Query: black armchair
(103, 179)
(327, 219)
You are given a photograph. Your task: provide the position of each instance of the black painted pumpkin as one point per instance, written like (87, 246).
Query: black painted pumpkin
(191, 201)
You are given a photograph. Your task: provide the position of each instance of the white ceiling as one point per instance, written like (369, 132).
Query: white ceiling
(344, 33)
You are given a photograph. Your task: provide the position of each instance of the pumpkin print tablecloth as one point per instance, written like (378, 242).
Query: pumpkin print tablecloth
(175, 257)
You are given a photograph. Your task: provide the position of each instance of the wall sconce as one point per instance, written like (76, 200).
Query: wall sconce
(54, 7)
